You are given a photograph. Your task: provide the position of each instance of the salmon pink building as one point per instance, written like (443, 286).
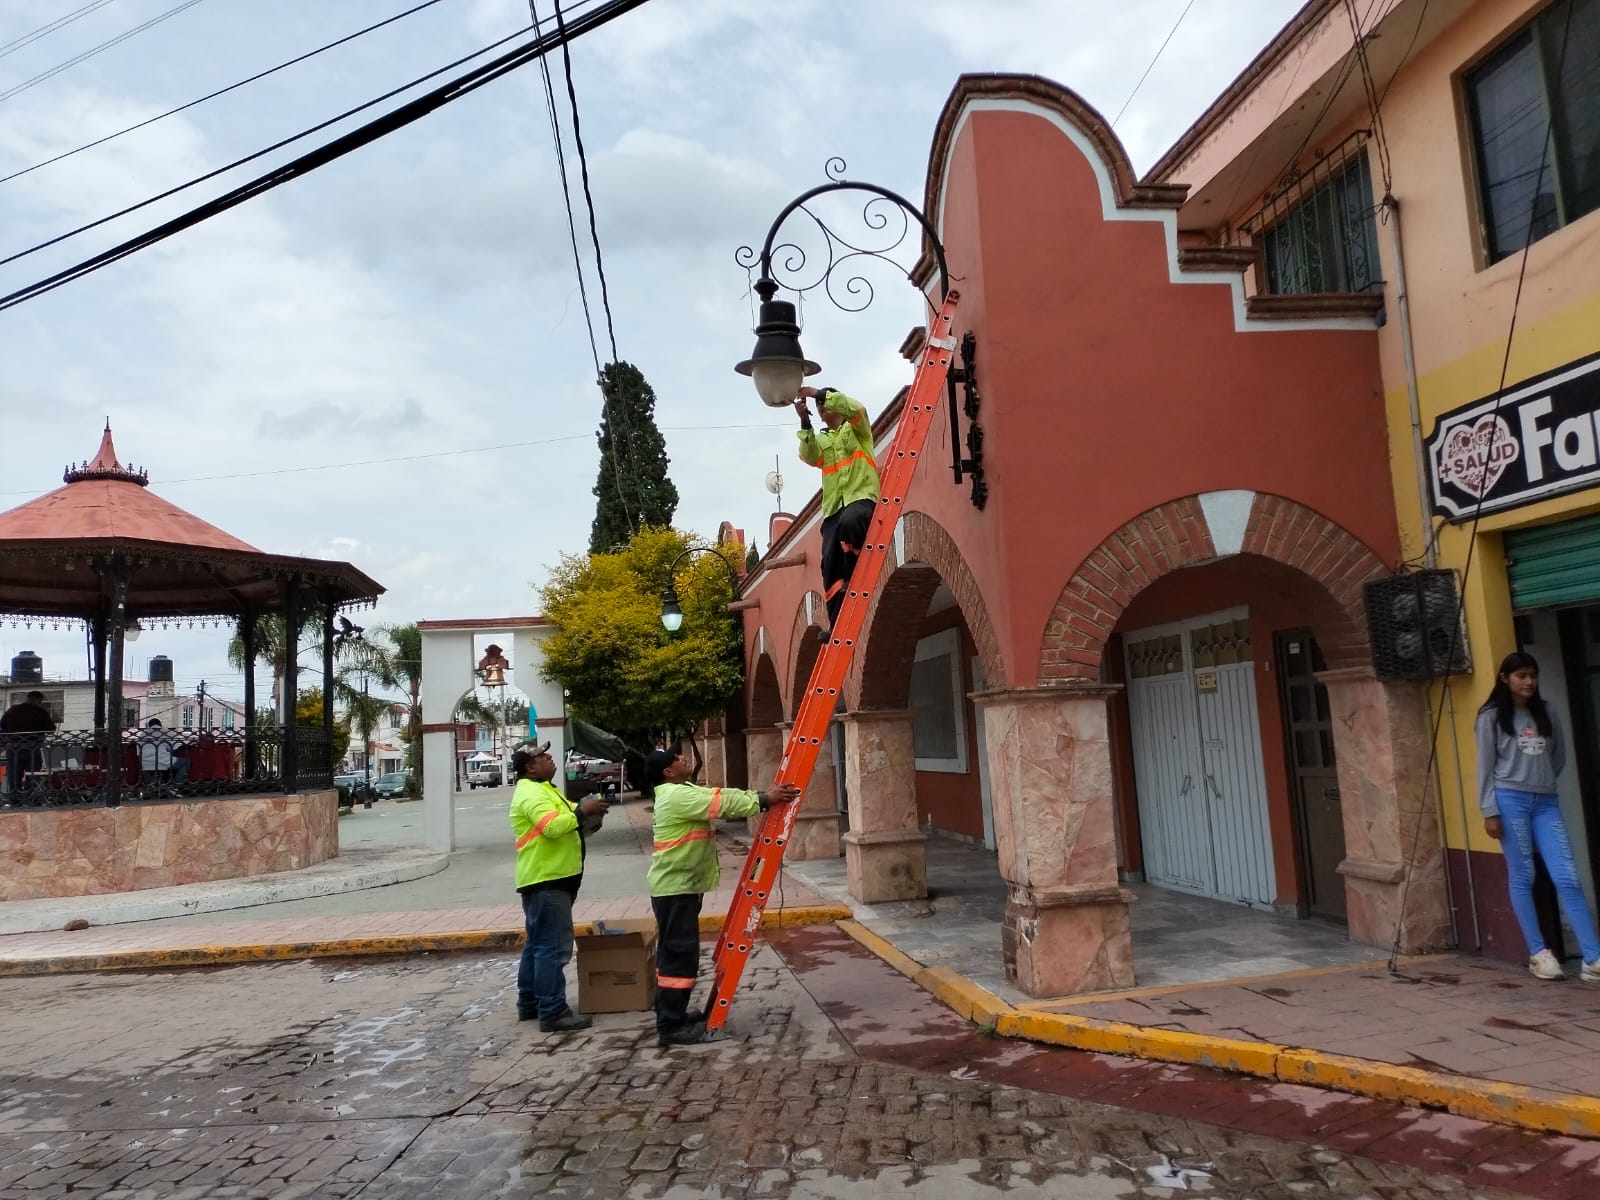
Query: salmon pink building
(1145, 656)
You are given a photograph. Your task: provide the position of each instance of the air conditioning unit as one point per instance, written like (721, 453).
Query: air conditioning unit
(1416, 626)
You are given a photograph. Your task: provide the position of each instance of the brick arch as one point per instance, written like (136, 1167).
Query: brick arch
(805, 645)
(766, 695)
(879, 676)
(1175, 535)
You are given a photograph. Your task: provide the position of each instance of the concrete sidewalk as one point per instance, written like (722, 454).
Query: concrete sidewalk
(272, 931)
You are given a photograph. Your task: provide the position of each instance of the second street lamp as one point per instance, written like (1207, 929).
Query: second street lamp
(671, 609)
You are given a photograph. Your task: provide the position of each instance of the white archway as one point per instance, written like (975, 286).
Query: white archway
(449, 662)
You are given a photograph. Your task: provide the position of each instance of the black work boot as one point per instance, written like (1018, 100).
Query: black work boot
(567, 1022)
(690, 1035)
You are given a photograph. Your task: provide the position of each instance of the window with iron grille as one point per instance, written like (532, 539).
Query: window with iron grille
(1534, 110)
(1321, 235)
(188, 716)
(227, 718)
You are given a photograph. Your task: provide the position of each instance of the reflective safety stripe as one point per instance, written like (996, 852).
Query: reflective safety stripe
(672, 981)
(699, 835)
(716, 802)
(846, 461)
(537, 830)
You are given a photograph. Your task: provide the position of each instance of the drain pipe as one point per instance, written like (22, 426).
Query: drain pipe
(1430, 553)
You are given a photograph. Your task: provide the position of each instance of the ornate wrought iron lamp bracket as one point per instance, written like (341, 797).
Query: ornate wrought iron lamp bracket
(777, 330)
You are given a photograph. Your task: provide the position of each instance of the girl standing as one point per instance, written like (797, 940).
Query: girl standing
(1521, 751)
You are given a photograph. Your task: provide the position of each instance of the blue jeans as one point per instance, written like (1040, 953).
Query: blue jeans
(541, 975)
(1533, 820)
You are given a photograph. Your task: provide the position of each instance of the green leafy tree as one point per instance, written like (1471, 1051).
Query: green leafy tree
(622, 670)
(308, 711)
(632, 491)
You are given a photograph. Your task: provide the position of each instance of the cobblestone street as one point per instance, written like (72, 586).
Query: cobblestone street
(412, 1078)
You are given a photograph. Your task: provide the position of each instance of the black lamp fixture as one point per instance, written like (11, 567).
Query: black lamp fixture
(779, 367)
(671, 609)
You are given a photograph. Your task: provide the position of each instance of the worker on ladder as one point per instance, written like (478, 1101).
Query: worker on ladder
(850, 484)
(682, 869)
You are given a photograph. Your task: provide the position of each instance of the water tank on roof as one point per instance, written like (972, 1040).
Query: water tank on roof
(27, 667)
(161, 669)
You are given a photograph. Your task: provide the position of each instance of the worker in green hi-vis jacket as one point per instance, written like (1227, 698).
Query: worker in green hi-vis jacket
(844, 453)
(682, 870)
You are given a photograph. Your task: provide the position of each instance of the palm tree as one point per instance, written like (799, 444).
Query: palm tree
(272, 648)
(392, 655)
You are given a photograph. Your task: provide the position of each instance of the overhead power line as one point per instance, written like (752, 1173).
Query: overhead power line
(171, 112)
(1161, 49)
(399, 118)
(94, 50)
(50, 27)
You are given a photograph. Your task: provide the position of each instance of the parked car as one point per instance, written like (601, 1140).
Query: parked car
(585, 767)
(354, 789)
(484, 774)
(393, 784)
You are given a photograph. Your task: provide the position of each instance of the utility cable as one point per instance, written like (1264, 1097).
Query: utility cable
(239, 162)
(50, 27)
(406, 114)
(1456, 624)
(400, 458)
(220, 91)
(94, 50)
(583, 165)
(1159, 51)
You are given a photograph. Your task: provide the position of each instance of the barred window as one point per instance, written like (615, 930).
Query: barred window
(1328, 240)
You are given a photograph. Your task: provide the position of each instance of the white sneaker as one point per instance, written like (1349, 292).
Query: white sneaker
(1543, 965)
(1591, 972)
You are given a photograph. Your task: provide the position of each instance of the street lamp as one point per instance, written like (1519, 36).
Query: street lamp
(778, 366)
(671, 610)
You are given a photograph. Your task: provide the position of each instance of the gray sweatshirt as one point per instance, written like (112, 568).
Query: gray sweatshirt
(1528, 762)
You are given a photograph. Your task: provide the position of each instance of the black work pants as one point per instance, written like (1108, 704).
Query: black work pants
(677, 957)
(843, 535)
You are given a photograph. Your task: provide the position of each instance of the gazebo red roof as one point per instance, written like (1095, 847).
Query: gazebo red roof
(175, 563)
(103, 499)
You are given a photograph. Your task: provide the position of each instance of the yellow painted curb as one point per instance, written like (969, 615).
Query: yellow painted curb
(354, 947)
(900, 961)
(977, 1004)
(1467, 1096)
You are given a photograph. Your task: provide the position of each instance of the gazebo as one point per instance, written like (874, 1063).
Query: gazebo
(105, 550)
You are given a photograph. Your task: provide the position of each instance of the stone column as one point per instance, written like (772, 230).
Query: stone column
(885, 853)
(714, 752)
(816, 825)
(1050, 777)
(763, 748)
(1391, 812)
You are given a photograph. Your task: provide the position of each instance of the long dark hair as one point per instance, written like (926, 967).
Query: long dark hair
(1503, 702)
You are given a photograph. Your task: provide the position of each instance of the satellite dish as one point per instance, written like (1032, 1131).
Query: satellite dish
(774, 482)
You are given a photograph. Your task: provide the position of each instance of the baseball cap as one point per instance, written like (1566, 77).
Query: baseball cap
(656, 763)
(526, 753)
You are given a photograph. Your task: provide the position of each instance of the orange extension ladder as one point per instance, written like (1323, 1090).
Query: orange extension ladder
(761, 868)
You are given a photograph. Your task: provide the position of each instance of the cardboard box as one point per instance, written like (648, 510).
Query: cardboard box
(617, 967)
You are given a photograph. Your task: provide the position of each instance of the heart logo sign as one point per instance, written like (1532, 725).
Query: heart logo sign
(1475, 456)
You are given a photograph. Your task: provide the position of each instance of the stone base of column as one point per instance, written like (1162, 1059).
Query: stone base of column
(1373, 901)
(816, 835)
(885, 866)
(1063, 941)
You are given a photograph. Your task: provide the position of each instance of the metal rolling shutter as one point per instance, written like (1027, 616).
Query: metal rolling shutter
(1551, 565)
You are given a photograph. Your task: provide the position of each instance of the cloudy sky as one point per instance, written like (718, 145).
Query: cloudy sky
(417, 302)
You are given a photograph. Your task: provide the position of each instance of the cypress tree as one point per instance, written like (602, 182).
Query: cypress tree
(632, 489)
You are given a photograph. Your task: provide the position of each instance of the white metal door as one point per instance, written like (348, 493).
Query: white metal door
(1166, 754)
(1197, 759)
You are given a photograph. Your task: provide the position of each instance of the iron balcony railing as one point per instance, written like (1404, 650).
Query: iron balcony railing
(70, 768)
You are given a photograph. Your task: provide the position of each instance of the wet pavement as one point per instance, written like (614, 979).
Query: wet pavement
(402, 1078)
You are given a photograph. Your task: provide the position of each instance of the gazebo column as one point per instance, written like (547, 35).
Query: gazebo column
(289, 686)
(247, 641)
(119, 605)
(327, 684)
(97, 633)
